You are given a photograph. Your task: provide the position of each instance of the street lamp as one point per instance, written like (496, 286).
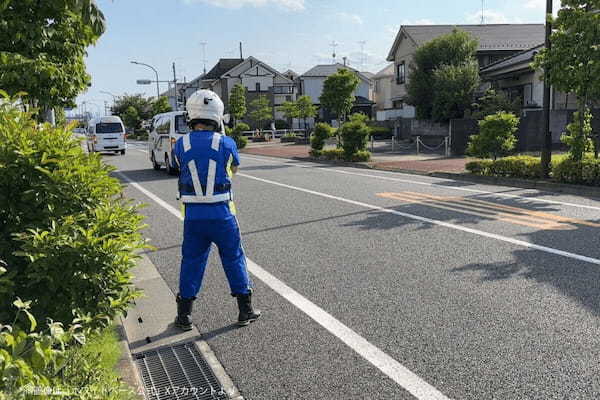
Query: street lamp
(547, 140)
(155, 71)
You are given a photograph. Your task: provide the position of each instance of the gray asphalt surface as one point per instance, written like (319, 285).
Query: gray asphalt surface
(476, 317)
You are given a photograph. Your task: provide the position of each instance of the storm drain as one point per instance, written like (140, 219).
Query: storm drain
(178, 372)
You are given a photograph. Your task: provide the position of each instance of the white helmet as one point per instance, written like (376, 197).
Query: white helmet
(205, 104)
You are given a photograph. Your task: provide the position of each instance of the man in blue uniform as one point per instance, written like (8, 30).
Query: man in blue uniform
(207, 159)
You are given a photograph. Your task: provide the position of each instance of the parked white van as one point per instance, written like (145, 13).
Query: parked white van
(165, 130)
(106, 134)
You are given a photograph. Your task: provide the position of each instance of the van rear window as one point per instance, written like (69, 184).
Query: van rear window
(181, 125)
(110, 127)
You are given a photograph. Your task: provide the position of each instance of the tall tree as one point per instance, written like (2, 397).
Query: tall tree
(260, 110)
(237, 102)
(306, 108)
(456, 49)
(454, 89)
(42, 48)
(338, 93)
(161, 105)
(141, 105)
(572, 64)
(289, 110)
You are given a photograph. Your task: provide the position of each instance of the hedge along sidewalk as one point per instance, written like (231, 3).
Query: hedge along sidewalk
(436, 168)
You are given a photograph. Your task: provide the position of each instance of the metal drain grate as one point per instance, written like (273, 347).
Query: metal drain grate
(178, 372)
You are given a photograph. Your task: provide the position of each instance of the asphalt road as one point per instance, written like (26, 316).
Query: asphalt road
(411, 287)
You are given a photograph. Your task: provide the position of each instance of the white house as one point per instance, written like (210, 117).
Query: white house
(312, 81)
(496, 42)
(259, 78)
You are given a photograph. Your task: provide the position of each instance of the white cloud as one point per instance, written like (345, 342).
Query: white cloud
(538, 4)
(351, 18)
(291, 5)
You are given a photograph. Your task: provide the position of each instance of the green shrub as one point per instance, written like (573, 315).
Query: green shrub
(496, 136)
(584, 172)
(321, 133)
(67, 237)
(578, 138)
(355, 135)
(289, 135)
(360, 156)
(315, 153)
(479, 167)
(237, 134)
(333, 154)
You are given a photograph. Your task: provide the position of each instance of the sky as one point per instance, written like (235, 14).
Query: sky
(286, 34)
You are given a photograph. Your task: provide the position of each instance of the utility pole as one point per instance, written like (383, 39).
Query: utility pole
(175, 88)
(203, 44)
(362, 54)
(547, 134)
(241, 51)
(482, 12)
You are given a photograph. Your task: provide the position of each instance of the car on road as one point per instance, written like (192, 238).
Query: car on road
(165, 129)
(106, 134)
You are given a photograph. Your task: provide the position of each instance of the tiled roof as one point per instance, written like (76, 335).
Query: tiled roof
(224, 65)
(492, 37)
(519, 58)
(330, 69)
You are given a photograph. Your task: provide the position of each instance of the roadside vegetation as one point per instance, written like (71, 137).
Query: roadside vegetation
(67, 245)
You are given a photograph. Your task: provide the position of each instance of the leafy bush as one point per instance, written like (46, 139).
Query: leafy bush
(578, 138)
(493, 102)
(333, 154)
(584, 172)
(496, 136)
(321, 133)
(526, 167)
(68, 239)
(479, 167)
(237, 134)
(360, 156)
(289, 135)
(355, 135)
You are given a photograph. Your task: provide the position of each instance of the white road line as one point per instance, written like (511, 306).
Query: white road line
(434, 222)
(386, 364)
(339, 171)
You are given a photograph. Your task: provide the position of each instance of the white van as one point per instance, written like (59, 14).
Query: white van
(106, 134)
(165, 130)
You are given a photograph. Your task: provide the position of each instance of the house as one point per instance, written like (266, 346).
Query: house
(383, 91)
(312, 81)
(496, 42)
(259, 79)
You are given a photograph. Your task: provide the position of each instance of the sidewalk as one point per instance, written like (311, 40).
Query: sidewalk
(397, 161)
(166, 360)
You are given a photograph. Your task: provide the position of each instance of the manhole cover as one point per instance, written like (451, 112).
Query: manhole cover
(178, 373)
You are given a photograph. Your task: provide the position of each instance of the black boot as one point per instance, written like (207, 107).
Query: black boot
(184, 313)
(247, 314)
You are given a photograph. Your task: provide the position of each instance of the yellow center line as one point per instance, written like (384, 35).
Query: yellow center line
(441, 204)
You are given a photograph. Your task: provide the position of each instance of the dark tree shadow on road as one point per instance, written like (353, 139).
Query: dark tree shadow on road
(146, 175)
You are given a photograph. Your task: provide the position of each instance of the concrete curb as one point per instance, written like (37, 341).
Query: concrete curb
(548, 186)
(126, 366)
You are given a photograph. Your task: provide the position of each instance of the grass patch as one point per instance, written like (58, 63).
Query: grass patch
(90, 371)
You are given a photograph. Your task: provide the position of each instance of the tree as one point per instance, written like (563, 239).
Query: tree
(443, 63)
(338, 93)
(454, 88)
(355, 135)
(143, 109)
(42, 49)
(131, 118)
(289, 110)
(161, 105)
(306, 108)
(494, 101)
(237, 103)
(260, 110)
(496, 136)
(572, 64)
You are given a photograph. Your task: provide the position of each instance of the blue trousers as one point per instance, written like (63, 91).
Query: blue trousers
(198, 235)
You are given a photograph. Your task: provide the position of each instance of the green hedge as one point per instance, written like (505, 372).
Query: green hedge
(340, 155)
(67, 237)
(564, 169)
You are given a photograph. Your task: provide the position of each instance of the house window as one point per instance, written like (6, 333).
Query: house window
(283, 89)
(258, 86)
(401, 73)
(398, 104)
